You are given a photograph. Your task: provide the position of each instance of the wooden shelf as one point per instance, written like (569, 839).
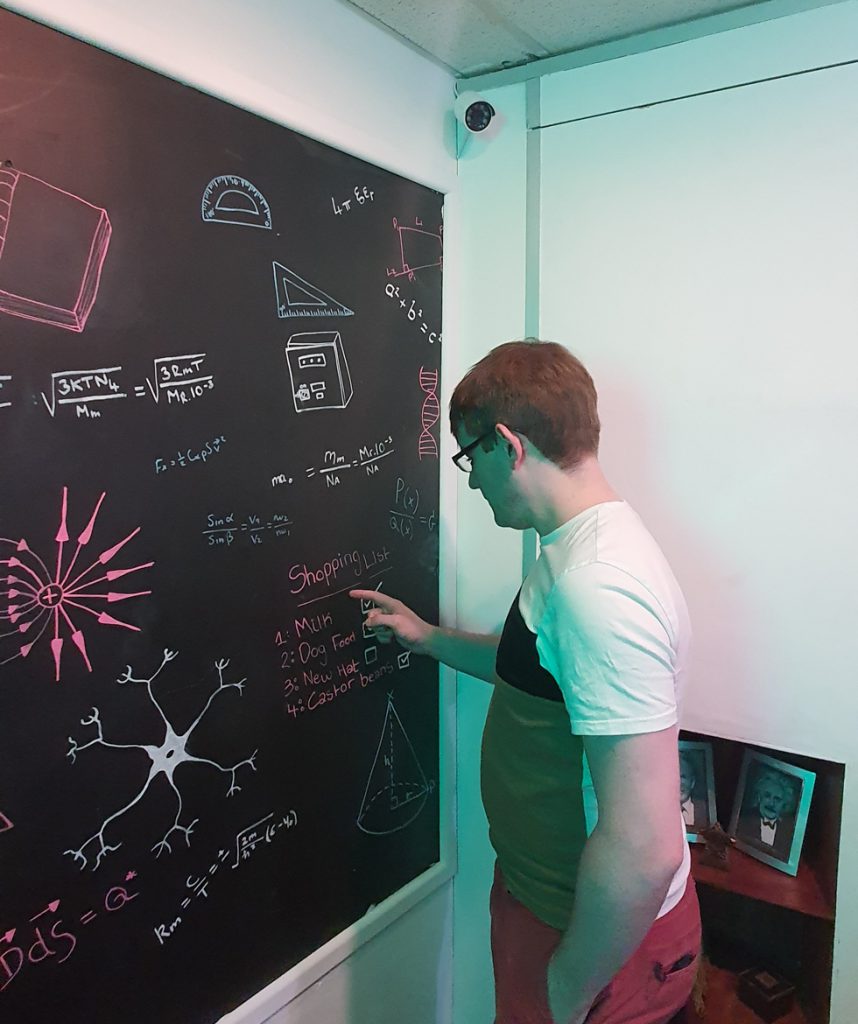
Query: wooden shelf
(750, 877)
(723, 1005)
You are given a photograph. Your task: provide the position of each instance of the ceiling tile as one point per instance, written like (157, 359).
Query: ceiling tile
(473, 36)
(467, 35)
(563, 26)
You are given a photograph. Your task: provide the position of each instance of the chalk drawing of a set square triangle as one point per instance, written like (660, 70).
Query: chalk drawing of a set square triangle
(297, 297)
(397, 788)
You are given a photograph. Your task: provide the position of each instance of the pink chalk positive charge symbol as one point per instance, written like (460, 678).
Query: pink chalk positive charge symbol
(35, 600)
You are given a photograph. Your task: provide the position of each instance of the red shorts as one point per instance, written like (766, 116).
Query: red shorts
(650, 988)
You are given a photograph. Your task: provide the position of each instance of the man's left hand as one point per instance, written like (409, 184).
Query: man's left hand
(565, 1004)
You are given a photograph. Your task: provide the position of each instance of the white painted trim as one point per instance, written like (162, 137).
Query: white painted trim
(269, 1000)
(194, 68)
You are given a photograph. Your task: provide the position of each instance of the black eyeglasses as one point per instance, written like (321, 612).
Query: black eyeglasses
(463, 459)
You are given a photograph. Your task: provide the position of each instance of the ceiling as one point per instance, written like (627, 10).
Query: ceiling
(476, 36)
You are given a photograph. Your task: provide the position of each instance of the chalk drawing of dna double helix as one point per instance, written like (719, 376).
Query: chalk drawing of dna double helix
(427, 444)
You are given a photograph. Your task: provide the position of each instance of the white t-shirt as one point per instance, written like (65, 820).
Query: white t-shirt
(612, 628)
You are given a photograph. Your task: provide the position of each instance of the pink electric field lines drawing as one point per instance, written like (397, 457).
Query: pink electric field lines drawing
(40, 598)
(418, 249)
(52, 249)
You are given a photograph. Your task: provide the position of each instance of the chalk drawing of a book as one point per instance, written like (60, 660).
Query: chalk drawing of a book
(318, 371)
(52, 248)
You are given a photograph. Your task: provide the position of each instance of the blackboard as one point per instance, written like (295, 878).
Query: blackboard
(219, 377)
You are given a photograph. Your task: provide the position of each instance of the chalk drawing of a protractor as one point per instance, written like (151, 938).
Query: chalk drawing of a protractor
(397, 789)
(229, 199)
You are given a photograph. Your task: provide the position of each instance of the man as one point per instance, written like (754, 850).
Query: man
(768, 820)
(590, 662)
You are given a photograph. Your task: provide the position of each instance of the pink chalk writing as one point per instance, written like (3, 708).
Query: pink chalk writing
(50, 940)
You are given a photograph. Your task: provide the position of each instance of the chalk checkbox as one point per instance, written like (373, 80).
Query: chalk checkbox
(403, 660)
(370, 655)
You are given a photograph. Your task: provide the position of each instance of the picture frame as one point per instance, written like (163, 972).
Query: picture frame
(696, 788)
(770, 810)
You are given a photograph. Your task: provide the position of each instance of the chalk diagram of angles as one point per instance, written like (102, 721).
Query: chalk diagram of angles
(228, 199)
(166, 758)
(52, 249)
(36, 600)
(397, 789)
(318, 371)
(297, 297)
(419, 249)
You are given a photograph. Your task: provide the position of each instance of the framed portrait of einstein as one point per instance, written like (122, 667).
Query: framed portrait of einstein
(770, 810)
(696, 788)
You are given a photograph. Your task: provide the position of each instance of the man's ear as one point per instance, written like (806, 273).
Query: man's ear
(514, 444)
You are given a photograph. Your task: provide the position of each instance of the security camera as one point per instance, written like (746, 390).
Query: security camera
(473, 111)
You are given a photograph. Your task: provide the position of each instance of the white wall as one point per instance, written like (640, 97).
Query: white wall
(324, 70)
(700, 256)
(491, 283)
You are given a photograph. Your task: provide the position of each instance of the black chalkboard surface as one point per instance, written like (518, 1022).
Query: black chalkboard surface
(219, 369)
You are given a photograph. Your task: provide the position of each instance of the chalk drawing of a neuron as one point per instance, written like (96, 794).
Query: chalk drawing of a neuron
(397, 789)
(297, 297)
(166, 758)
(56, 601)
(419, 249)
(228, 199)
(430, 411)
(52, 249)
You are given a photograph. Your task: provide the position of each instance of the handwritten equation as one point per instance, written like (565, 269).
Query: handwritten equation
(247, 842)
(366, 458)
(191, 455)
(412, 312)
(224, 530)
(405, 515)
(51, 941)
(178, 380)
(362, 194)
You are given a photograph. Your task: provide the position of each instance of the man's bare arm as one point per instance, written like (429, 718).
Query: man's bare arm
(471, 653)
(626, 867)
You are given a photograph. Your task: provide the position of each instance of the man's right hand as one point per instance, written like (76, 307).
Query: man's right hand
(391, 619)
